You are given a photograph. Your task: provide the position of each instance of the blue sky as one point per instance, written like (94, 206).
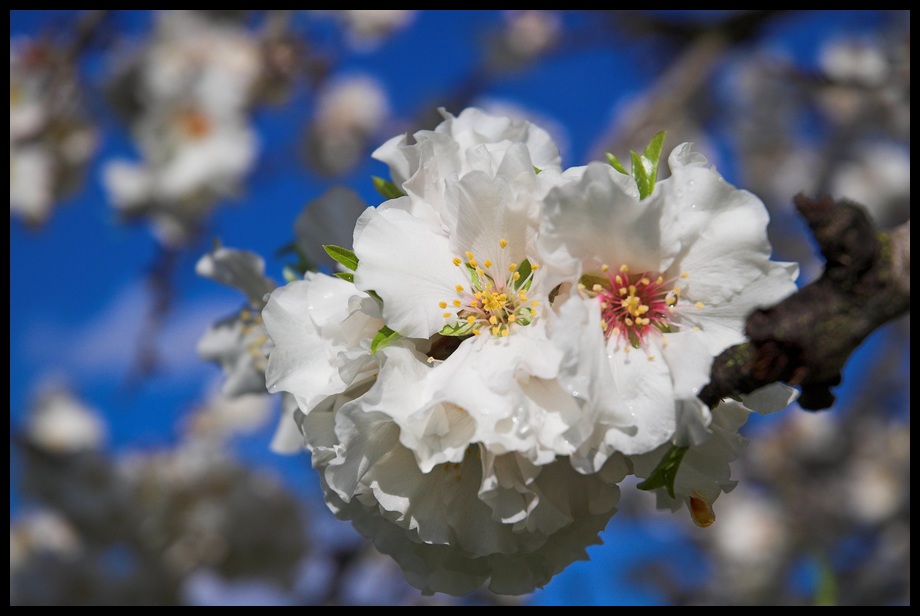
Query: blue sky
(78, 290)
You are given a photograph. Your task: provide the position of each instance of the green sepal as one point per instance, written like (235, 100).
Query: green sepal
(524, 281)
(384, 336)
(589, 280)
(461, 328)
(616, 164)
(346, 276)
(474, 276)
(664, 474)
(342, 255)
(387, 189)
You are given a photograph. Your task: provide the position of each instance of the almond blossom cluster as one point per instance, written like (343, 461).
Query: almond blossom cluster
(187, 95)
(507, 340)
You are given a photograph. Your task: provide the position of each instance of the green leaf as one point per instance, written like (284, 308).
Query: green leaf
(387, 189)
(342, 255)
(346, 276)
(616, 164)
(652, 156)
(640, 174)
(384, 336)
(664, 474)
(644, 166)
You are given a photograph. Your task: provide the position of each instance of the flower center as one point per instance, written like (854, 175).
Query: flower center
(495, 299)
(633, 305)
(194, 124)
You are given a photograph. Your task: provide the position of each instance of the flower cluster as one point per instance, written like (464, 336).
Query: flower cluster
(51, 136)
(507, 340)
(187, 97)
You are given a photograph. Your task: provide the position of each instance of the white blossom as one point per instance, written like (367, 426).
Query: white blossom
(662, 286)
(513, 341)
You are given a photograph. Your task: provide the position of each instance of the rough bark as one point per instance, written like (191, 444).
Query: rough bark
(806, 339)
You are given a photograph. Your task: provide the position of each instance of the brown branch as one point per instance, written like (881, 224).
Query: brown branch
(806, 339)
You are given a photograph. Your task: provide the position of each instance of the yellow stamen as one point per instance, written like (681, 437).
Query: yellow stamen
(503, 243)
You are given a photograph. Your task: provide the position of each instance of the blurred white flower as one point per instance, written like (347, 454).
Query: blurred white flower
(366, 29)
(51, 140)
(350, 110)
(751, 541)
(879, 179)
(240, 346)
(193, 58)
(31, 182)
(221, 417)
(60, 423)
(531, 32)
(190, 160)
(856, 61)
(37, 532)
(191, 89)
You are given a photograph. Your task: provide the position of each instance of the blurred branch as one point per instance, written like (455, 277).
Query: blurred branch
(703, 46)
(806, 339)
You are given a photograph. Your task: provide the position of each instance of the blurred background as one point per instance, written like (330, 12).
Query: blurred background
(141, 470)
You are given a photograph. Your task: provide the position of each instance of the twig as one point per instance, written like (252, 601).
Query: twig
(806, 339)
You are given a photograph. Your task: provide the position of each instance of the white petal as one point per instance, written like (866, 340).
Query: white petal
(306, 320)
(410, 266)
(240, 269)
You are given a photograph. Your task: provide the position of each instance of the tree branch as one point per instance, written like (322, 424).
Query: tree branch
(806, 339)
